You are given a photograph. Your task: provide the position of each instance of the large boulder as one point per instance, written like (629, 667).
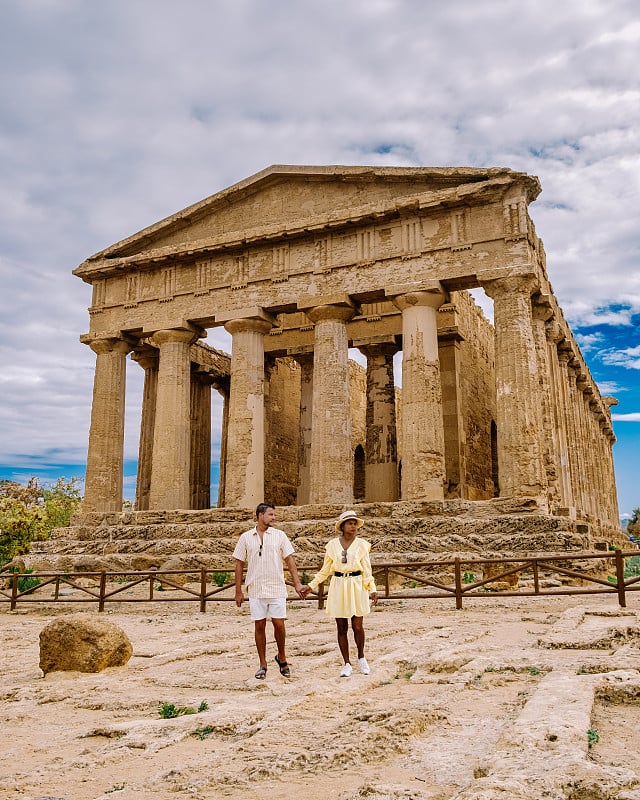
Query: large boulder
(83, 643)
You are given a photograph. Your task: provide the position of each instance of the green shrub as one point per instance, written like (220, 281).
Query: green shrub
(221, 578)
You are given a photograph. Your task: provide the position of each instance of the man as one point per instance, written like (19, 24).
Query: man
(264, 549)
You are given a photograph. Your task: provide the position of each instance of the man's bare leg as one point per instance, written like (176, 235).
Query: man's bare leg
(260, 632)
(279, 632)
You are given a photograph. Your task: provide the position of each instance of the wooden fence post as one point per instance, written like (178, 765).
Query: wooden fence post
(458, 574)
(203, 590)
(14, 591)
(103, 587)
(620, 578)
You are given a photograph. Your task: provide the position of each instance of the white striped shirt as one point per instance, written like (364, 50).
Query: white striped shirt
(265, 574)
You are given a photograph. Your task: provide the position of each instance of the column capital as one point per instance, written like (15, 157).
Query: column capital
(373, 349)
(331, 312)
(108, 344)
(248, 325)
(146, 356)
(515, 282)
(542, 308)
(174, 335)
(404, 297)
(553, 331)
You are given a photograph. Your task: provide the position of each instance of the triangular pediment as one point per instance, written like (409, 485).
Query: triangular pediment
(286, 198)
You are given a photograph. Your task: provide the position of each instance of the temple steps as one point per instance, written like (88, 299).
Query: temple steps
(403, 531)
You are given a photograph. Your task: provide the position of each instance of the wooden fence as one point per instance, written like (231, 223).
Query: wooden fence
(414, 580)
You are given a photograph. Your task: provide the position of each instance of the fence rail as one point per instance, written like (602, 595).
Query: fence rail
(111, 587)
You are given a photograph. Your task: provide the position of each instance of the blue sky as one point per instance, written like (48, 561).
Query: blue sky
(114, 115)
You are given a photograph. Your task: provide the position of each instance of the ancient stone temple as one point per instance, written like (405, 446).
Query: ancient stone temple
(299, 264)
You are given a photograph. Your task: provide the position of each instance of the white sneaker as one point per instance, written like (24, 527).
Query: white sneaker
(364, 667)
(346, 671)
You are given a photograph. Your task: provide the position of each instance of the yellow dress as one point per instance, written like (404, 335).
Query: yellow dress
(348, 596)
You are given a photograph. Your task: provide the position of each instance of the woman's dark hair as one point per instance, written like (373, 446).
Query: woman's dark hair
(262, 507)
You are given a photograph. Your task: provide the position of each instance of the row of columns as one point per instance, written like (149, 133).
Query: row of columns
(553, 439)
(326, 460)
(174, 453)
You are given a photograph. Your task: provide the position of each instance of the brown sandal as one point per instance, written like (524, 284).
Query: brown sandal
(261, 674)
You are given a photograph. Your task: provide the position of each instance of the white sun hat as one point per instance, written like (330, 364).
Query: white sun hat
(348, 515)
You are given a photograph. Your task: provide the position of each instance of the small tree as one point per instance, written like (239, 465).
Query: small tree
(29, 513)
(19, 526)
(633, 526)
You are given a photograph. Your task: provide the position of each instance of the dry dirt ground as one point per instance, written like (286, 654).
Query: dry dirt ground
(498, 700)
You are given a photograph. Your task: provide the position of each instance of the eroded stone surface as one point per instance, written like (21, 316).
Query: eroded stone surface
(459, 704)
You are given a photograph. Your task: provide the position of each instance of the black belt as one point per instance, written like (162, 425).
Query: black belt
(347, 574)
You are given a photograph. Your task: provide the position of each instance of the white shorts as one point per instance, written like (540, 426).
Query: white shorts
(274, 607)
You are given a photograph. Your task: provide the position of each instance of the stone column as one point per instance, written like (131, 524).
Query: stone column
(608, 440)
(453, 416)
(565, 354)
(245, 451)
(170, 488)
(381, 452)
(331, 467)
(541, 312)
(423, 460)
(200, 469)
(559, 406)
(518, 393)
(223, 388)
(305, 360)
(103, 484)
(147, 357)
(585, 442)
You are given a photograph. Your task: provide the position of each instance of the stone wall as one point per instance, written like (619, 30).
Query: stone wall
(477, 379)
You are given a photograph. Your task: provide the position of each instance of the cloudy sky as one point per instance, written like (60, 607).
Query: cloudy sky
(115, 114)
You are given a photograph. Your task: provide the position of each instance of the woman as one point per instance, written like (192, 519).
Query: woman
(347, 561)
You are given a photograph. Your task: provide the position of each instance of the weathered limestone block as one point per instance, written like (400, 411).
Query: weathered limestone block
(83, 643)
(172, 581)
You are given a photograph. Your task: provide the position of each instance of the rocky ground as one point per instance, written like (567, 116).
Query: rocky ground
(499, 700)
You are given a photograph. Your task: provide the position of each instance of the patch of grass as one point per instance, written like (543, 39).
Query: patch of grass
(171, 710)
(632, 567)
(117, 787)
(202, 733)
(489, 669)
(305, 578)
(612, 579)
(592, 737)
(221, 578)
(533, 671)
(468, 577)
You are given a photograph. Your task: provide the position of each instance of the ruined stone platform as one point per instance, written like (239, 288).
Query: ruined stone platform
(399, 532)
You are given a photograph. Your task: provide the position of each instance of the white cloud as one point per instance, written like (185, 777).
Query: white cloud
(628, 357)
(633, 417)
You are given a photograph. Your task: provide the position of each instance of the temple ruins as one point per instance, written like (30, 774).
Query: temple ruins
(301, 263)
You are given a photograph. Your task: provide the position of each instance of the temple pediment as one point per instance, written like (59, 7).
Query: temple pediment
(286, 201)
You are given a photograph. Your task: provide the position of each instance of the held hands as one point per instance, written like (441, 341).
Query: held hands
(304, 592)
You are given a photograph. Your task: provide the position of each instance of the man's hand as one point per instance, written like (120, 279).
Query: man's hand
(239, 597)
(300, 590)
